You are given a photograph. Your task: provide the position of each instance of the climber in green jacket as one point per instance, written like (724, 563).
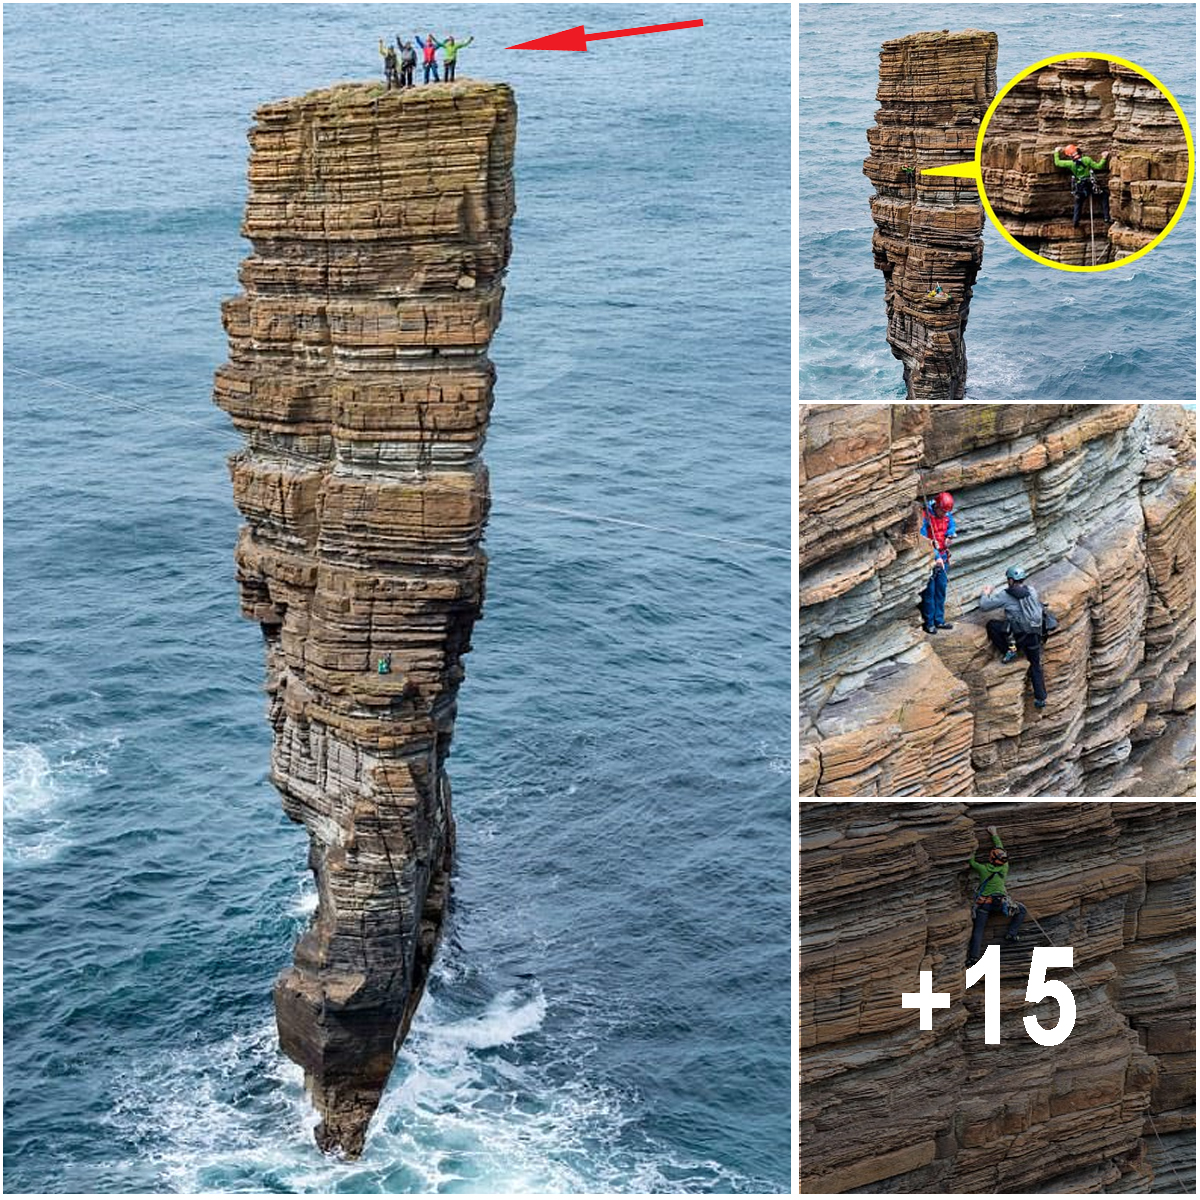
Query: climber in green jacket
(450, 50)
(991, 897)
(1083, 180)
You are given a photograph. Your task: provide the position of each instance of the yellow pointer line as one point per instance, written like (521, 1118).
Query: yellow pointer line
(967, 170)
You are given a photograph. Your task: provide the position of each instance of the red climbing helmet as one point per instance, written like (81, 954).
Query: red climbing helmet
(1071, 150)
(944, 501)
(998, 857)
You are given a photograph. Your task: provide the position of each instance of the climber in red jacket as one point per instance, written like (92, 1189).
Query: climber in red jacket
(938, 526)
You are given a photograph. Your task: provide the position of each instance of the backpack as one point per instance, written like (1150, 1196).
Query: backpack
(1049, 621)
(1029, 615)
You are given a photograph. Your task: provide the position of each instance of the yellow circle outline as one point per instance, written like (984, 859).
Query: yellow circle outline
(1012, 241)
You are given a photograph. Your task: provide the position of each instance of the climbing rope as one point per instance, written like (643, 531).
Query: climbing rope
(1092, 226)
(233, 438)
(1037, 925)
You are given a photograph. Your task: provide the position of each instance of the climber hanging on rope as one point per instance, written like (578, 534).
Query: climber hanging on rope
(1083, 179)
(991, 898)
(937, 525)
(1026, 623)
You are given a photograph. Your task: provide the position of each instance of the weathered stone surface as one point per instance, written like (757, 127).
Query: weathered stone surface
(886, 1107)
(933, 91)
(1097, 502)
(1099, 106)
(358, 374)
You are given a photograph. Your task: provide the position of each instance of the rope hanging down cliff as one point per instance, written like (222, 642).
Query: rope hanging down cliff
(1091, 992)
(514, 502)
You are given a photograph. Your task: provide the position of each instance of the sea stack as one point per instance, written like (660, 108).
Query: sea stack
(934, 89)
(358, 374)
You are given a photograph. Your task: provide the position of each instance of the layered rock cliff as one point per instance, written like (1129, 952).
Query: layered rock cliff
(1096, 502)
(886, 1107)
(1099, 106)
(359, 376)
(933, 91)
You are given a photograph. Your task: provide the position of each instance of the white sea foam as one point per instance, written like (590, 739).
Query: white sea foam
(305, 902)
(32, 796)
(506, 1019)
(466, 1111)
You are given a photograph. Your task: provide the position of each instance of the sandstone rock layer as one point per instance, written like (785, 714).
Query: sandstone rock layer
(1096, 502)
(933, 91)
(359, 376)
(887, 1107)
(1099, 106)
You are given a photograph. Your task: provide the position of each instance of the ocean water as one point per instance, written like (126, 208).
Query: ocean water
(611, 1005)
(1033, 333)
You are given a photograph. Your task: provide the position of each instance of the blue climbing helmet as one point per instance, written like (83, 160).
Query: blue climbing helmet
(1014, 574)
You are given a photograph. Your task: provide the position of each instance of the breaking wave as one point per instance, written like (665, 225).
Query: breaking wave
(39, 788)
(467, 1111)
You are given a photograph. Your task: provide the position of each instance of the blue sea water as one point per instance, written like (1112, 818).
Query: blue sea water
(611, 1004)
(1034, 333)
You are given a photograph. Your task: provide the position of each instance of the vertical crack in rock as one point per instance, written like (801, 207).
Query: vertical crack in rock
(933, 91)
(1099, 106)
(1096, 502)
(359, 376)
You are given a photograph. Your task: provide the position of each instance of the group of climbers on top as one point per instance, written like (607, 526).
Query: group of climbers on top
(1083, 177)
(1026, 621)
(398, 69)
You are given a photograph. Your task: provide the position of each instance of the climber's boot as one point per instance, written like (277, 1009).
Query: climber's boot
(944, 625)
(1012, 937)
(1039, 704)
(972, 959)
(930, 628)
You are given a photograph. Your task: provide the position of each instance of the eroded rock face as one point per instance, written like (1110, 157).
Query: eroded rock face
(1099, 106)
(885, 1107)
(1096, 502)
(359, 376)
(933, 91)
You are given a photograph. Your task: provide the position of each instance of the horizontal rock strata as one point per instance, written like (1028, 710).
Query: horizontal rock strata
(1099, 106)
(1096, 502)
(933, 91)
(359, 376)
(887, 1107)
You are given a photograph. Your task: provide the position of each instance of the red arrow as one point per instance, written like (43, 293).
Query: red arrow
(576, 39)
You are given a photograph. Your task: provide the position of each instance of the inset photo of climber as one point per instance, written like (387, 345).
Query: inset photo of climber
(1024, 168)
(997, 997)
(1067, 137)
(997, 600)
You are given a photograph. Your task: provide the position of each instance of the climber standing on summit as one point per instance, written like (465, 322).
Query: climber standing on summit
(408, 61)
(389, 65)
(991, 897)
(1023, 626)
(938, 526)
(450, 49)
(1083, 180)
(429, 51)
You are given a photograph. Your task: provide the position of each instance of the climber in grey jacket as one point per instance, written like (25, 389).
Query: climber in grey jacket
(1021, 628)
